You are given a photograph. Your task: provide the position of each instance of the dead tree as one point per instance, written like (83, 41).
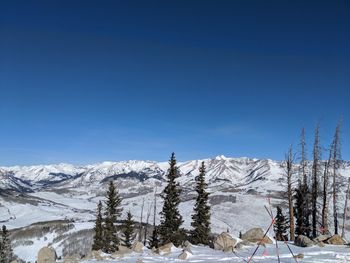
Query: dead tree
(315, 174)
(325, 201)
(336, 160)
(289, 171)
(345, 210)
(140, 230)
(146, 226)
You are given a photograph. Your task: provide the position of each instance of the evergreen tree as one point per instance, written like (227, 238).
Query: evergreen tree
(112, 212)
(128, 230)
(154, 240)
(5, 247)
(171, 220)
(201, 217)
(281, 226)
(98, 238)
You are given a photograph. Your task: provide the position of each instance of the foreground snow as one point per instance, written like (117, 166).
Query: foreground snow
(265, 255)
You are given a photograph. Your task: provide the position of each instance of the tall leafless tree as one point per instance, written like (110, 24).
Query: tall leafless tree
(335, 163)
(289, 159)
(325, 199)
(315, 174)
(345, 210)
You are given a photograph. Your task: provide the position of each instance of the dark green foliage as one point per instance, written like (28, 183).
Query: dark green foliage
(301, 212)
(98, 238)
(112, 212)
(171, 220)
(128, 230)
(154, 240)
(280, 226)
(201, 217)
(5, 246)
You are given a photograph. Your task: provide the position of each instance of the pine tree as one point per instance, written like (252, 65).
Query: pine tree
(128, 230)
(112, 212)
(6, 253)
(98, 237)
(171, 220)
(201, 217)
(281, 226)
(154, 240)
(299, 198)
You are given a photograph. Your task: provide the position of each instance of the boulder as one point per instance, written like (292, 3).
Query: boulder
(137, 247)
(335, 240)
(139, 261)
(165, 249)
(322, 238)
(123, 250)
(320, 244)
(96, 254)
(187, 244)
(299, 256)
(256, 235)
(303, 241)
(46, 255)
(224, 242)
(184, 255)
(72, 259)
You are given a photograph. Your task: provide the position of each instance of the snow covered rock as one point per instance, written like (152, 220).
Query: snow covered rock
(184, 255)
(256, 235)
(137, 247)
(165, 249)
(46, 255)
(335, 240)
(303, 241)
(224, 242)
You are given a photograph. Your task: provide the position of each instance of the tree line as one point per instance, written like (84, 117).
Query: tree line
(170, 228)
(312, 188)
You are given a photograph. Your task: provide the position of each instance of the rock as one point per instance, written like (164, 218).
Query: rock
(320, 244)
(335, 240)
(139, 261)
(224, 242)
(96, 254)
(14, 261)
(239, 245)
(187, 244)
(72, 259)
(165, 249)
(256, 235)
(246, 243)
(46, 255)
(124, 250)
(188, 249)
(137, 247)
(303, 241)
(299, 256)
(322, 238)
(184, 255)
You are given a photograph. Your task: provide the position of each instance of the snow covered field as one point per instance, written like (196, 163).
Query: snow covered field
(264, 255)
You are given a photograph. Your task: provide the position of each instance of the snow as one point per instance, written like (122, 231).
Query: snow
(264, 255)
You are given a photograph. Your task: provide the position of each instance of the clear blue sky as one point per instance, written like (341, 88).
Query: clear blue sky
(87, 81)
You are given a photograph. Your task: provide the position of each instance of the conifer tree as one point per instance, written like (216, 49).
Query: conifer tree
(289, 172)
(171, 220)
(112, 213)
(128, 230)
(6, 253)
(154, 240)
(98, 237)
(281, 226)
(201, 217)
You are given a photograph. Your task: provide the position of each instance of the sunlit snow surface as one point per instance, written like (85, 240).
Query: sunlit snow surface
(264, 255)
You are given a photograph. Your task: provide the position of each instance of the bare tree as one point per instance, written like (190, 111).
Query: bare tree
(140, 230)
(345, 210)
(325, 200)
(315, 174)
(146, 226)
(289, 159)
(335, 163)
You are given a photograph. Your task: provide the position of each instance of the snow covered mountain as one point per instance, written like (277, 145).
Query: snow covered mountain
(239, 188)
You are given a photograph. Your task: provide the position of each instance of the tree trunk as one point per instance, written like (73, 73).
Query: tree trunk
(289, 162)
(345, 211)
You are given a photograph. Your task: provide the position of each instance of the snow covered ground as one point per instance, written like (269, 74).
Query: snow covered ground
(264, 255)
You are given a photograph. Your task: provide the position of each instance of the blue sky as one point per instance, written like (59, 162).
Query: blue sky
(87, 81)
